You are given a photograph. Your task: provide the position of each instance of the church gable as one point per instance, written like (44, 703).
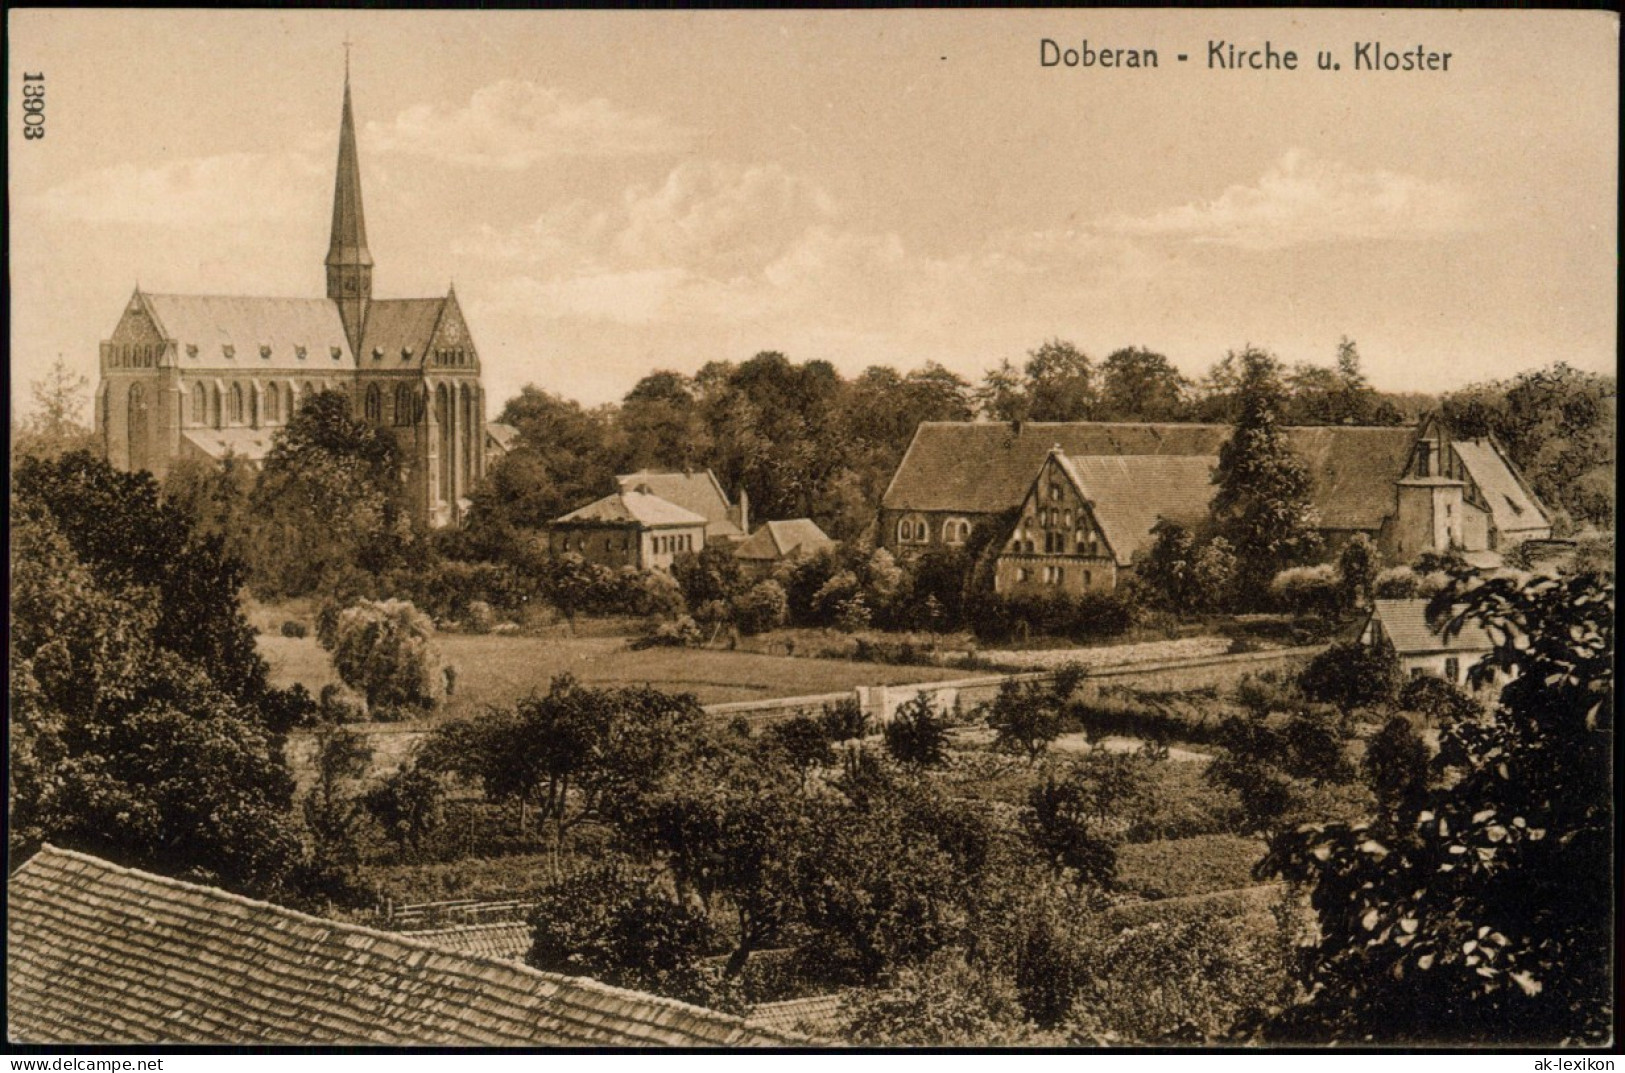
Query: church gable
(1056, 517)
(137, 342)
(451, 347)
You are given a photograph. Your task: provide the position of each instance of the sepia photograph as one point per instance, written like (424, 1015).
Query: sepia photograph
(1058, 529)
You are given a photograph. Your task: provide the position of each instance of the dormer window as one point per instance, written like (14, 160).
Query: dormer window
(406, 353)
(228, 350)
(299, 352)
(191, 350)
(377, 353)
(336, 352)
(265, 353)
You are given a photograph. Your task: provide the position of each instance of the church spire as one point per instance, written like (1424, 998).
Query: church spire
(349, 262)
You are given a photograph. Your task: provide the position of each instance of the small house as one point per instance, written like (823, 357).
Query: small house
(1422, 648)
(628, 528)
(775, 542)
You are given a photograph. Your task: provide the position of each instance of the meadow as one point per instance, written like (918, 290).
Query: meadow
(498, 670)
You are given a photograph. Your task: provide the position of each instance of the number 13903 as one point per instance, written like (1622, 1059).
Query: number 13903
(33, 106)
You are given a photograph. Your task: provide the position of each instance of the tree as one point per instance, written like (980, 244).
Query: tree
(407, 805)
(1262, 504)
(1062, 820)
(132, 543)
(1140, 385)
(917, 736)
(1483, 921)
(707, 577)
(805, 743)
(1438, 701)
(1396, 769)
(1352, 675)
(331, 810)
(1060, 383)
(1026, 717)
(617, 927)
(1357, 571)
(131, 738)
(1003, 395)
(384, 649)
(1557, 425)
(329, 499)
(732, 834)
(1276, 769)
(761, 607)
(575, 753)
(56, 427)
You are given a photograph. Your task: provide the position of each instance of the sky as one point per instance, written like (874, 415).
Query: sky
(618, 192)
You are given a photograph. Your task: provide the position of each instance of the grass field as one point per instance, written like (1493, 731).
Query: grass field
(499, 670)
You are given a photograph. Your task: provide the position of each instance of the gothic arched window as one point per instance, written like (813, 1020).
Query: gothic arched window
(200, 405)
(374, 404)
(236, 413)
(403, 404)
(273, 402)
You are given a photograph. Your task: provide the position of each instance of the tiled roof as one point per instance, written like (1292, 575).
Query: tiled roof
(505, 436)
(1512, 506)
(624, 508)
(97, 953)
(281, 326)
(698, 492)
(1130, 494)
(1405, 624)
(777, 540)
(819, 1015)
(248, 443)
(505, 940)
(394, 324)
(987, 467)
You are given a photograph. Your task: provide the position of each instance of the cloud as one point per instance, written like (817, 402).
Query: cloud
(513, 124)
(1302, 200)
(229, 190)
(709, 218)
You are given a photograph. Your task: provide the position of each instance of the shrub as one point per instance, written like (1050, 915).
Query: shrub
(291, 628)
(383, 649)
(1309, 590)
(1438, 701)
(760, 608)
(917, 736)
(620, 928)
(1395, 583)
(681, 632)
(844, 720)
(1352, 675)
(479, 618)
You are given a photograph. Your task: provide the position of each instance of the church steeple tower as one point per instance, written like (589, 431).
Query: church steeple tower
(349, 263)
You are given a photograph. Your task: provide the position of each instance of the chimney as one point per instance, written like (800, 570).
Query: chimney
(739, 513)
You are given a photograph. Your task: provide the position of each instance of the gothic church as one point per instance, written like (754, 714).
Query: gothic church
(206, 376)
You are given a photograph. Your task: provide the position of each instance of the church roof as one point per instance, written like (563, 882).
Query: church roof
(1130, 494)
(699, 492)
(252, 444)
(396, 324)
(632, 508)
(987, 467)
(779, 540)
(1512, 506)
(348, 242)
(262, 333)
(101, 953)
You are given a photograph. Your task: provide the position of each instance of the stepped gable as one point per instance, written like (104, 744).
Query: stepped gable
(99, 953)
(987, 467)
